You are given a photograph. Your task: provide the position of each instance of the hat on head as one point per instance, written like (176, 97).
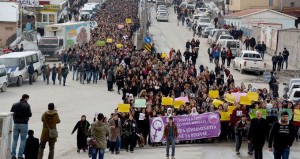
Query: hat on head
(51, 106)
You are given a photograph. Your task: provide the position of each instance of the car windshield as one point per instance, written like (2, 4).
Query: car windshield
(47, 41)
(163, 14)
(10, 62)
(297, 94)
(204, 21)
(231, 44)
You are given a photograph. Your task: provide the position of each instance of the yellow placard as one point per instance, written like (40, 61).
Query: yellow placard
(119, 46)
(245, 100)
(178, 103)
(163, 55)
(128, 20)
(217, 102)
(109, 40)
(213, 94)
(230, 109)
(252, 96)
(167, 101)
(125, 108)
(230, 98)
(297, 115)
(225, 116)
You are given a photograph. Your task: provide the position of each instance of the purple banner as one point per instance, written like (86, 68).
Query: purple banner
(190, 127)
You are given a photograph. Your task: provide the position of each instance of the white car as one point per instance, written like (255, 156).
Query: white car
(204, 22)
(3, 79)
(198, 16)
(210, 35)
(294, 95)
(249, 61)
(162, 16)
(222, 38)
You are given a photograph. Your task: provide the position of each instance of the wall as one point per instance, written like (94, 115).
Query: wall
(287, 3)
(291, 40)
(7, 29)
(234, 5)
(238, 5)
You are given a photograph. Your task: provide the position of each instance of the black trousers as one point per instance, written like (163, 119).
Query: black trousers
(130, 142)
(223, 60)
(274, 66)
(258, 153)
(110, 85)
(228, 62)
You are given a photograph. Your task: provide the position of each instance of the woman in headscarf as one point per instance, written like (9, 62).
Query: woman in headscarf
(82, 127)
(194, 111)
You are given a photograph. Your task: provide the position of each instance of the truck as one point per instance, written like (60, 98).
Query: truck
(249, 61)
(60, 37)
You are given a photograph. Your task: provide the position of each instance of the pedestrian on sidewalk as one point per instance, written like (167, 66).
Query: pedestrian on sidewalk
(43, 69)
(65, 72)
(285, 55)
(48, 71)
(247, 43)
(50, 119)
(30, 73)
(54, 73)
(274, 61)
(252, 43)
(170, 134)
(82, 128)
(22, 113)
(258, 132)
(59, 73)
(279, 61)
(240, 131)
(282, 136)
(32, 146)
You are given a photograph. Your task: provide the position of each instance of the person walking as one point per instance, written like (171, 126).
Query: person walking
(81, 70)
(59, 73)
(229, 56)
(30, 73)
(95, 71)
(22, 113)
(43, 69)
(110, 79)
(247, 43)
(252, 43)
(82, 128)
(282, 136)
(240, 131)
(264, 48)
(48, 71)
(130, 130)
(99, 130)
(115, 134)
(54, 73)
(274, 61)
(120, 80)
(223, 55)
(50, 119)
(32, 146)
(170, 134)
(285, 55)
(279, 61)
(75, 70)
(64, 73)
(257, 135)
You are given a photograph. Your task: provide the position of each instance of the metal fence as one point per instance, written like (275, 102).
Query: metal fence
(11, 39)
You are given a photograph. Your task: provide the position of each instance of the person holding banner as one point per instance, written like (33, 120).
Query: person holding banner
(170, 134)
(282, 136)
(257, 134)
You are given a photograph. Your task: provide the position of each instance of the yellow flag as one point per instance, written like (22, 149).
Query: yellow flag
(245, 100)
(178, 103)
(213, 94)
(230, 98)
(252, 96)
(297, 115)
(225, 116)
(109, 40)
(230, 109)
(167, 101)
(124, 108)
(217, 102)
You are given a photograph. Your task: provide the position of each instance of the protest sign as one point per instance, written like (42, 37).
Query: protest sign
(124, 108)
(225, 116)
(119, 46)
(272, 112)
(297, 115)
(120, 26)
(167, 101)
(128, 20)
(100, 43)
(230, 109)
(230, 98)
(217, 102)
(140, 103)
(186, 99)
(252, 96)
(163, 55)
(190, 127)
(238, 95)
(252, 113)
(290, 111)
(109, 40)
(178, 103)
(142, 116)
(213, 94)
(245, 100)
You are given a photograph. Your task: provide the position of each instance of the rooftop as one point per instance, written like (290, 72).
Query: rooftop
(9, 12)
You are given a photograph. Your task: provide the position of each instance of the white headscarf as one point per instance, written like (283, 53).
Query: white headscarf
(194, 111)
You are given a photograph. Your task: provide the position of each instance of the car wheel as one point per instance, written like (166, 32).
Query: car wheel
(20, 81)
(35, 76)
(242, 71)
(4, 87)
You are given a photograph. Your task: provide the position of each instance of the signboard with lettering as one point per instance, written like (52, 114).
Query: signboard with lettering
(28, 2)
(51, 7)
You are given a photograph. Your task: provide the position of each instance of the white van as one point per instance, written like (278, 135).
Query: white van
(3, 78)
(17, 63)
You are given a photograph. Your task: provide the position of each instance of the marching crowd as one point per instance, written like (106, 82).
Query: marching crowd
(139, 74)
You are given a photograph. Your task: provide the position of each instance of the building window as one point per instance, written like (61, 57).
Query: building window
(270, 2)
(8, 28)
(45, 17)
(51, 18)
(292, 4)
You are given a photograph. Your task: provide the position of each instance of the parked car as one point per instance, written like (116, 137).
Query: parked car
(205, 31)
(249, 61)
(210, 35)
(234, 46)
(293, 83)
(17, 63)
(295, 95)
(162, 16)
(218, 33)
(3, 78)
(221, 40)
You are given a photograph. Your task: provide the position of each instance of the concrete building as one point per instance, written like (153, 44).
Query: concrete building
(248, 18)
(290, 3)
(9, 18)
(238, 5)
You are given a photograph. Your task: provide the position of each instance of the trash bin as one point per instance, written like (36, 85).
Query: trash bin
(6, 121)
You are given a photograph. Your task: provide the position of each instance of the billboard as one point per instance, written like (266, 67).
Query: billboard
(77, 34)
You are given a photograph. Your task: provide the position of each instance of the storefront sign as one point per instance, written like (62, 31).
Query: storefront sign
(190, 127)
(52, 7)
(29, 2)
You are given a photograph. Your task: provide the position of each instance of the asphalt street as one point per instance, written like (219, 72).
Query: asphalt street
(76, 99)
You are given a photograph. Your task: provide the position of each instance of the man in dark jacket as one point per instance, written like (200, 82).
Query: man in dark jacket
(264, 48)
(252, 43)
(285, 55)
(258, 131)
(110, 79)
(223, 55)
(282, 134)
(30, 72)
(279, 61)
(274, 61)
(32, 146)
(22, 113)
(240, 131)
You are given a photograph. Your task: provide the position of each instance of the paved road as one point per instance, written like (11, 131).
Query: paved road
(75, 99)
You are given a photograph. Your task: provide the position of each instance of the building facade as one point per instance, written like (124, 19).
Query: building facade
(238, 5)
